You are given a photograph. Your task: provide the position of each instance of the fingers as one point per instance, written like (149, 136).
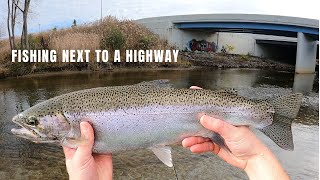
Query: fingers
(200, 145)
(68, 152)
(190, 141)
(195, 87)
(87, 134)
(217, 126)
(203, 147)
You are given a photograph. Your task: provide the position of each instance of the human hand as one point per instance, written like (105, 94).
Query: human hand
(242, 143)
(82, 164)
(247, 151)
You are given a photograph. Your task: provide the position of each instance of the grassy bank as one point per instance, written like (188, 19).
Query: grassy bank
(109, 34)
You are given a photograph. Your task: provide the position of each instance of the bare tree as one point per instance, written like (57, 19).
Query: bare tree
(1, 32)
(13, 20)
(8, 25)
(13, 7)
(24, 35)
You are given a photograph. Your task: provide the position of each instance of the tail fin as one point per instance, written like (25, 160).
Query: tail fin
(280, 132)
(286, 109)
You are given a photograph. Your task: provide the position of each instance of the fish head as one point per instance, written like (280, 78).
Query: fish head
(41, 128)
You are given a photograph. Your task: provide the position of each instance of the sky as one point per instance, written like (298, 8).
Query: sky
(61, 13)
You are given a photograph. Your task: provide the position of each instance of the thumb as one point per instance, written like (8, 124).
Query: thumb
(217, 125)
(87, 135)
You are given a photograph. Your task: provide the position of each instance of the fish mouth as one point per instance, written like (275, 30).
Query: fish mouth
(29, 134)
(25, 133)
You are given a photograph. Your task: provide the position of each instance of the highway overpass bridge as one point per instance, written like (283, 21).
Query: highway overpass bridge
(234, 29)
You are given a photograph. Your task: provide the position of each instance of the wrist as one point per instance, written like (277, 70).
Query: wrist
(265, 164)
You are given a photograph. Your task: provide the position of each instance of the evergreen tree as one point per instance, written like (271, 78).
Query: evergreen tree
(74, 24)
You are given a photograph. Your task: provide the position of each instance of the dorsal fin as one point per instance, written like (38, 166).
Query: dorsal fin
(230, 91)
(160, 83)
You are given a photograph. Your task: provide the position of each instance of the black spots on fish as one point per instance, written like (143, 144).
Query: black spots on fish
(258, 116)
(233, 100)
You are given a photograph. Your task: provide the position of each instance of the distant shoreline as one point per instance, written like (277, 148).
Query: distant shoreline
(192, 60)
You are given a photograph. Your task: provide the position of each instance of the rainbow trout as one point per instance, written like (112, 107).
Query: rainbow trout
(152, 115)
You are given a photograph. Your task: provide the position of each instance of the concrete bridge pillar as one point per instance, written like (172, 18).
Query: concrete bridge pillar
(306, 54)
(303, 83)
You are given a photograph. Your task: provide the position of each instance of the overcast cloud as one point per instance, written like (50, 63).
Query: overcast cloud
(60, 13)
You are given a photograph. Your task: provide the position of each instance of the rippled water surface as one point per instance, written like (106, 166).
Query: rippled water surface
(21, 159)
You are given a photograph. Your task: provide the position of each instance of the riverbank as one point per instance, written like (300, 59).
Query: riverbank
(187, 60)
(220, 60)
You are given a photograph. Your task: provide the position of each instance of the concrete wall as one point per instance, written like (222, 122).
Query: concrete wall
(176, 37)
(242, 43)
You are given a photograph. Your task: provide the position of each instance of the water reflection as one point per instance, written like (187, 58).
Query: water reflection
(21, 159)
(303, 83)
(231, 78)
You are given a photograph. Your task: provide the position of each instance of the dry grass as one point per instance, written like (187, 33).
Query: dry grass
(132, 31)
(75, 41)
(4, 52)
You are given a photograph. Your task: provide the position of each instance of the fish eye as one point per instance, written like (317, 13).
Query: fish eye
(32, 121)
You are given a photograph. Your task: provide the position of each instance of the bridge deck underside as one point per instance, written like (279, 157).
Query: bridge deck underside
(255, 28)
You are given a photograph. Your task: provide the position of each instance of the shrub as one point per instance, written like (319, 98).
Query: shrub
(38, 42)
(19, 69)
(114, 40)
(146, 42)
(244, 57)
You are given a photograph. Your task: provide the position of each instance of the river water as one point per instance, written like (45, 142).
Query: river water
(21, 159)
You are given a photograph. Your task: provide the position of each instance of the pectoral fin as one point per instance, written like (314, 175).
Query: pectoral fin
(218, 139)
(164, 154)
(73, 142)
(76, 141)
(74, 137)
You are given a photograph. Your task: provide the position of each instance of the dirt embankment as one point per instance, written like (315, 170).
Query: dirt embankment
(211, 59)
